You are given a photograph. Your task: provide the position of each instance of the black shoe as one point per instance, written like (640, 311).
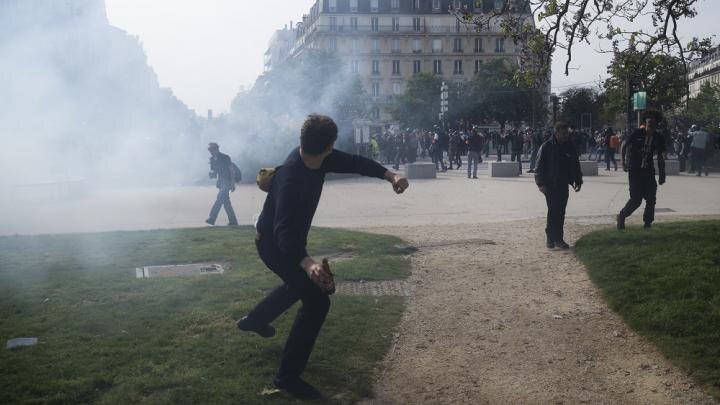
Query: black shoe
(550, 245)
(298, 389)
(620, 222)
(475, 177)
(265, 331)
(531, 171)
(647, 225)
(562, 245)
(209, 222)
(468, 176)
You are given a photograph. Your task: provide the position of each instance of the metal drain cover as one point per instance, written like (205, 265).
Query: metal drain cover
(179, 270)
(399, 288)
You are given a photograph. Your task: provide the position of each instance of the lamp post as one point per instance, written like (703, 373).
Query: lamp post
(444, 95)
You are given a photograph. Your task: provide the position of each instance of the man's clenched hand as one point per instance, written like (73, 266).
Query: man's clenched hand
(399, 183)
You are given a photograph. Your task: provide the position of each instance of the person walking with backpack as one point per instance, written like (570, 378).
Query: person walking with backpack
(224, 170)
(475, 148)
(613, 142)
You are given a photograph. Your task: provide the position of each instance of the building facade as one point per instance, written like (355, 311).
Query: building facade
(386, 42)
(705, 70)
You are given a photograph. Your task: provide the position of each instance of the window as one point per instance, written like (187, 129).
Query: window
(395, 45)
(396, 67)
(417, 24)
(436, 4)
(396, 24)
(437, 45)
(478, 65)
(417, 45)
(457, 45)
(397, 88)
(374, 6)
(333, 23)
(376, 67)
(478, 45)
(499, 4)
(376, 89)
(499, 45)
(353, 24)
(354, 45)
(437, 67)
(353, 6)
(456, 4)
(416, 4)
(457, 25)
(457, 69)
(417, 66)
(375, 113)
(376, 45)
(332, 6)
(354, 66)
(333, 44)
(375, 24)
(395, 4)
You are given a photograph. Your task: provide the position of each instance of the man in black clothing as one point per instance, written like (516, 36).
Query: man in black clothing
(640, 148)
(475, 147)
(558, 166)
(517, 140)
(223, 170)
(283, 227)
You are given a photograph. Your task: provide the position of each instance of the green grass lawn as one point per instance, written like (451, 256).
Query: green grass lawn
(666, 285)
(106, 337)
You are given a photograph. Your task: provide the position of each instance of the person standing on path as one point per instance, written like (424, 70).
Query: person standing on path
(222, 169)
(640, 148)
(558, 166)
(517, 140)
(699, 149)
(283, 226)
(475, 148)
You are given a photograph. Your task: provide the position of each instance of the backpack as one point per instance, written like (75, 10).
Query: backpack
(238, 174)
(614, 141)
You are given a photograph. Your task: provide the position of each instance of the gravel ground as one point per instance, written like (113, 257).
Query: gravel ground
(513, 322)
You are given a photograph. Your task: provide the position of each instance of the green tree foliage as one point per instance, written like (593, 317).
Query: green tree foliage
(419, 106)
(582, 100)
(661, 76)
(704, 109)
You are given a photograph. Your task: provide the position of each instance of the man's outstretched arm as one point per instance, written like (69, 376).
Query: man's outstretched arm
(341, 162)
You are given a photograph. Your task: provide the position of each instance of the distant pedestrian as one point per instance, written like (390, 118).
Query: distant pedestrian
(613, 142)
(700, 145)
(558, 166)
(517, 141)
(640, 148)
(222, 169)
(475, 148)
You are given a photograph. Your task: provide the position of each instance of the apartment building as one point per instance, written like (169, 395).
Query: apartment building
(386, 42)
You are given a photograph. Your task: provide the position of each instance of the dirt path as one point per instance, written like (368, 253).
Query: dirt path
(515, 323)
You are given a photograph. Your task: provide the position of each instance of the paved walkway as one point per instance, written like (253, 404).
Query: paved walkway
(514, 323)
(450, 199)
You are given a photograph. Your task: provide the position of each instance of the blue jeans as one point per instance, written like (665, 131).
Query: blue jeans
(472, 162)
(223, 199)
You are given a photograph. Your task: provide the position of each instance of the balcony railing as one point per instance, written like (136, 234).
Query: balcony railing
(403, 29)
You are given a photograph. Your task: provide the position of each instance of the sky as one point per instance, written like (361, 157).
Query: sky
(207, 50)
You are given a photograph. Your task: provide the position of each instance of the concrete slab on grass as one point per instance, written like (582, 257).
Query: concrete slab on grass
(179, 270)
(21, 342)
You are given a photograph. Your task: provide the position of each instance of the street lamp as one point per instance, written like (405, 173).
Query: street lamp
(444, 95)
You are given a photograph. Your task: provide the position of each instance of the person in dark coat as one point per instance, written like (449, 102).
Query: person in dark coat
(558, 166)
(283, 226)
(637, 156)
(222, 169)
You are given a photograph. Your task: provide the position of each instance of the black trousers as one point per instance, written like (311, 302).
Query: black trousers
(309, 319)
(642, 186)
(557, 199)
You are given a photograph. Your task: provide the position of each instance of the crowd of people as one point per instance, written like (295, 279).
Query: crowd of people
(448, 147)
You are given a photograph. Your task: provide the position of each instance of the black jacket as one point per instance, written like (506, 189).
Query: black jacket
(557, 163)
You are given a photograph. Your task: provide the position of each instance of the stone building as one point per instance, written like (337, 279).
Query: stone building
(386, 42)
(705, 70)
